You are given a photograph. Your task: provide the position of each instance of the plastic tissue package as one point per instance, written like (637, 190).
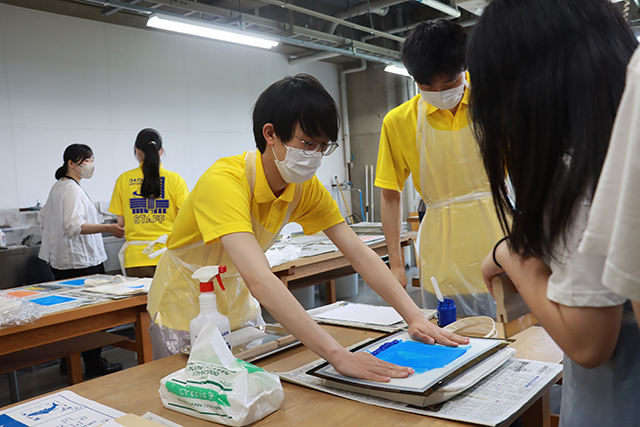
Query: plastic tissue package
(277, 255)
(215, 386)
(17, 311)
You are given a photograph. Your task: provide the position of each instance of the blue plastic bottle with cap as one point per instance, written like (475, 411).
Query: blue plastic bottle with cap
(446, 311)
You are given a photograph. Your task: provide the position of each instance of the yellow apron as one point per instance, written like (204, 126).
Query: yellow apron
(173, 297)
(460, 225)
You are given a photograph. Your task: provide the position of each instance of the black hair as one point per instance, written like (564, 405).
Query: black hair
(434, 49)
(149, 142)
(77, 153)
(299, 99)
(547, 77)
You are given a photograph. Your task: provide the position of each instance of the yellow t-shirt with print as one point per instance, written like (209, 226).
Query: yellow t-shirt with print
(221, 203)
(146, 219)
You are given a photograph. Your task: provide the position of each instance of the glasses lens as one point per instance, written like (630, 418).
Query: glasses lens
(329, 148)
(311, 147)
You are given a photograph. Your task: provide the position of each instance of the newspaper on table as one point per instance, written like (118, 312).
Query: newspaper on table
(490, 402)
(323, 314)
(308, 246)
(60, 409)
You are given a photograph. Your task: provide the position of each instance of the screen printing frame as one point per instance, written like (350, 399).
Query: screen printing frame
(326, 372)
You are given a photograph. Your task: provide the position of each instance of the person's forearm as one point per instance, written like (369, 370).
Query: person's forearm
(373, 271)
(93, 228)
(391, 214)
(587, 335)
(282, 305)
(379, 278)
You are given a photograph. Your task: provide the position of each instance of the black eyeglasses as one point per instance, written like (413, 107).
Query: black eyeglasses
(311, 147)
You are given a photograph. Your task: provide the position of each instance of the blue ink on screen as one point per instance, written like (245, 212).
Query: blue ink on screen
(75, 282)
(52, 300)
(420, 356)
(7, 421)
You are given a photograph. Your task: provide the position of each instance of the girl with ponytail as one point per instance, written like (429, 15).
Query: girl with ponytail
(147, 200)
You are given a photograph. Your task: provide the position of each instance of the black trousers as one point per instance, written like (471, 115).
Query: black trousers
(89, 355)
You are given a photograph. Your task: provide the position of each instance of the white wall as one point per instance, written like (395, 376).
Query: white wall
(66, 80)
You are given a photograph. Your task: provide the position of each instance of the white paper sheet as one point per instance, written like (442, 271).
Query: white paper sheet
(130, 287)
(363, 313)
(317, 313)
(63, 409)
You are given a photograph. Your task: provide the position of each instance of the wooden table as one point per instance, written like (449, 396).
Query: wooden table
(83, 320)
(326, 268)
(79, 322)
(135, 390)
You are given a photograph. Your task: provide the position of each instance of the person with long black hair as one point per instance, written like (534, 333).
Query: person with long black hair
(146, 199)
(71, 235)
(548, 77)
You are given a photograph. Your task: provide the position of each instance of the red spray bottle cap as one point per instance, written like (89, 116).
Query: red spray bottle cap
(208, 286)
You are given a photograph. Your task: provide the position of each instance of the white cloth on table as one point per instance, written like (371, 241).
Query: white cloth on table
(614, 222)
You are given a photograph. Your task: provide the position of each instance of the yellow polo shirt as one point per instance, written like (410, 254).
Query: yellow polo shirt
(221, 203)
(146, 219)
(398, 152)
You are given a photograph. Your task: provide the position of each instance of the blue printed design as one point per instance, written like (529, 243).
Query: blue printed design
(420, 356)
(7, 421)
(52, 300)
(74, 282)
(140, 205)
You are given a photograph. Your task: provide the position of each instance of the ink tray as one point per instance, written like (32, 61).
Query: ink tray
(254, 343)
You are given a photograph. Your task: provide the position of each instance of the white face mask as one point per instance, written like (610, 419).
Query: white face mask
(447, 99)
(297, 167)
(86, 171)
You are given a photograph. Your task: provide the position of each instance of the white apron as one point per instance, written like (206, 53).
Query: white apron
(173, 297)
(460, 225)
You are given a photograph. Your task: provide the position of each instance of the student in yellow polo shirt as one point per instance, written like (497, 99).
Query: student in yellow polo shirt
(430, 138)
(146, 200)
(234, 214)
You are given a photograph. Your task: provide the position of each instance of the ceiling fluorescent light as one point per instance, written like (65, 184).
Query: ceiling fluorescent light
(189, 26)
(396, 69)
(435, 4)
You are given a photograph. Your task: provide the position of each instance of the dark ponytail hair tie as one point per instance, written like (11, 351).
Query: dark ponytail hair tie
(494, 251)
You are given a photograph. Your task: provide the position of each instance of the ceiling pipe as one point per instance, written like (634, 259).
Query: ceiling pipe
(346, 133)
(351, 53)
(391, 31)
(318, 56)
(380, 7)
(330, 18)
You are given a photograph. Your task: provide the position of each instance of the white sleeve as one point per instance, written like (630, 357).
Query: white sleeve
(575, 280)
(74, 212)
(614, 223)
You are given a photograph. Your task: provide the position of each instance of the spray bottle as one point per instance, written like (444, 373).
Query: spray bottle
(208, 304)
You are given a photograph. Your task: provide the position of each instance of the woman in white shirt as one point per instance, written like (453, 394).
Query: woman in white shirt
(71, 234)
(548, 76)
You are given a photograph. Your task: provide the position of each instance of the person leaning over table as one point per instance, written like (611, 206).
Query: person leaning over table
(552, 135)
(234, 214)
(430, 138)
(147, 200)
(71, 235)
(614, 220)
